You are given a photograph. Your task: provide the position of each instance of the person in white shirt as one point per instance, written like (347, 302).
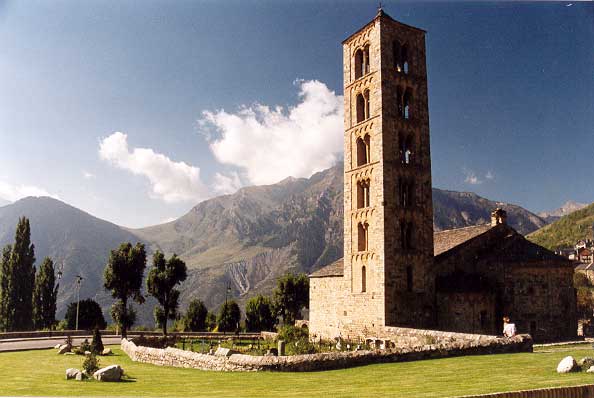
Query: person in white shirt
(509, 329)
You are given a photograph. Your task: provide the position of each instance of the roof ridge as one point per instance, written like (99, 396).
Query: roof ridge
(467, 227)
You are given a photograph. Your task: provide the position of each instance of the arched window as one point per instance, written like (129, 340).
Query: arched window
(406, 149)
(396, 54)
(360, 108)
(363, 279)
(363, 109)
(362, 232)
(406, 101)
(361, 152)
(404, 59)
(406, 230)
(399, 103)
(358, 64)
(362, 62)
(363, 196)
(406, 192)
(409, 279)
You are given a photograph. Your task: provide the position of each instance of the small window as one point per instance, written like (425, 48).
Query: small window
(366, 67)
(406, 232)
(360, 108)
(367, 104)
(406, 149)
(362, 230)
(358, 64)
(363, 196)
(406, 191)
(404, 59)
(406, 100)
(363, 279)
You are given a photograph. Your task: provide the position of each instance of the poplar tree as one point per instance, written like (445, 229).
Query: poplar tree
(44, 296)
(161, 282)
(123, 277)
(5, 287)
(21, 281)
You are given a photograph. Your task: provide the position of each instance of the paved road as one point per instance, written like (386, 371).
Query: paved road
(41, 343)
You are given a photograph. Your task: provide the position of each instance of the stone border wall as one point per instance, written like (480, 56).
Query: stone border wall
(323, 361)
(583, 391)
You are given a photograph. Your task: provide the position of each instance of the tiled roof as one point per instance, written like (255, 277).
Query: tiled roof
(445, 240)
(334, 269)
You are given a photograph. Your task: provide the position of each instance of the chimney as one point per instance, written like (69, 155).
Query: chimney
(499, 216)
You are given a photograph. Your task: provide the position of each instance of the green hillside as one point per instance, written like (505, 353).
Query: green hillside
(567, 230)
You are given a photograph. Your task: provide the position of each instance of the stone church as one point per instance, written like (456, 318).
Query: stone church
(396, 272)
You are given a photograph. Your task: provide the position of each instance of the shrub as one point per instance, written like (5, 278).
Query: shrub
(90, 315)
(68, 341)
(91, 364)
(228, 319)
(84, 346)
(196, 316)
(296, 340)
(259, 314)
(96, 344)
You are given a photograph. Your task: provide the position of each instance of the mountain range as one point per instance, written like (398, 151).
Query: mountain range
(567, 230)
(569, 207)
(243, 241)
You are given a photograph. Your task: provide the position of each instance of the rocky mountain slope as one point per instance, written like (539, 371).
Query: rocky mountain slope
(568, 208)
(244, 240)
(567, 230)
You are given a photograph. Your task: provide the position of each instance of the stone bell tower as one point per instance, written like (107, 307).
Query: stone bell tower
(388, 215)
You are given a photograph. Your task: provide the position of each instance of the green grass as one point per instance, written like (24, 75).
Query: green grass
(42, 373)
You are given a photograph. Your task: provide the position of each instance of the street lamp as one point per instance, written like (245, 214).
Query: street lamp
(78, 283)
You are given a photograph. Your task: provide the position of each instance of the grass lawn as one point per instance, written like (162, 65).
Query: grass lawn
(42, 373)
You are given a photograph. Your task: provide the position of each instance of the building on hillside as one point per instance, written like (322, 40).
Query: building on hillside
(584, 255)
(392, 274)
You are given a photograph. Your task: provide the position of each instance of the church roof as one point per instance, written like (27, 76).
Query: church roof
(500, 241)
(448, 239)
(334, 269)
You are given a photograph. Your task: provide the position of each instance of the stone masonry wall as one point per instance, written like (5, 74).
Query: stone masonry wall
(323, 361)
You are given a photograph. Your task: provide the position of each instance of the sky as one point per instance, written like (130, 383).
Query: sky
(137, 111)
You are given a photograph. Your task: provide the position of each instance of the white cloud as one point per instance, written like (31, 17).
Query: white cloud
(12, 192)
(490, 175)
(170, 181)
(271, 143)
(226, 184)
(88, 175)
(471, 178)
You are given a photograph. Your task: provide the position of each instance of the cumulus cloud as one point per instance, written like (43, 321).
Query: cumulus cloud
(471, 178)
(271, 143)
(14, 192)
(226, 184)
(490, 175)
(170, 181)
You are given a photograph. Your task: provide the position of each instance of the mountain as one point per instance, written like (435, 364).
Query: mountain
(72, 238)
(4, 202)
(569, 207)
(243, 241)
(461, 209)
(567, 230)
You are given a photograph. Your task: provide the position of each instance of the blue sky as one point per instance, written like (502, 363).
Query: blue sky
(208, 96)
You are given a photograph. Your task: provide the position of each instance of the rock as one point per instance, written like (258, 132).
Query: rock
(64, 348)
(69, 353)
(224, 352)
(567, 364)
(106, 351)
(79, 376)
(87, 353)
(586, 362)
(57, 346)
(71, 373)
(590, 369)
(109, 373)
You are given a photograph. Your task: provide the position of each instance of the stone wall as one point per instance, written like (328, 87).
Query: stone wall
(323, 361)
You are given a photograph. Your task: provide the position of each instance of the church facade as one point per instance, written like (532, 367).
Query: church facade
(395, 271)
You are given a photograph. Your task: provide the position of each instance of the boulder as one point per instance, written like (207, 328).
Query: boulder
(80, 376)
(590, 369)
(567, 364)
(87, 353)
(106, 351)
(586, 362)
(109, 373)
(224, 352)
(57, 346)
(64, 348)
(72, 373)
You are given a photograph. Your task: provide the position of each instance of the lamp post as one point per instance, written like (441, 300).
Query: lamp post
(78, 283)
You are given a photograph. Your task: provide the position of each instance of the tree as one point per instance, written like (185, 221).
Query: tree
(211, 321)
(228, 319)
(259, 314)
(90, 315)
(18, 279)
(97, 342)
(5, 287)
(123, 277)
(290, 296)
(195, 319)
(45, 295)
(161, 282)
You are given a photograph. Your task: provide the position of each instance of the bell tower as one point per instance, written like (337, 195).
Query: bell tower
(388, 215)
